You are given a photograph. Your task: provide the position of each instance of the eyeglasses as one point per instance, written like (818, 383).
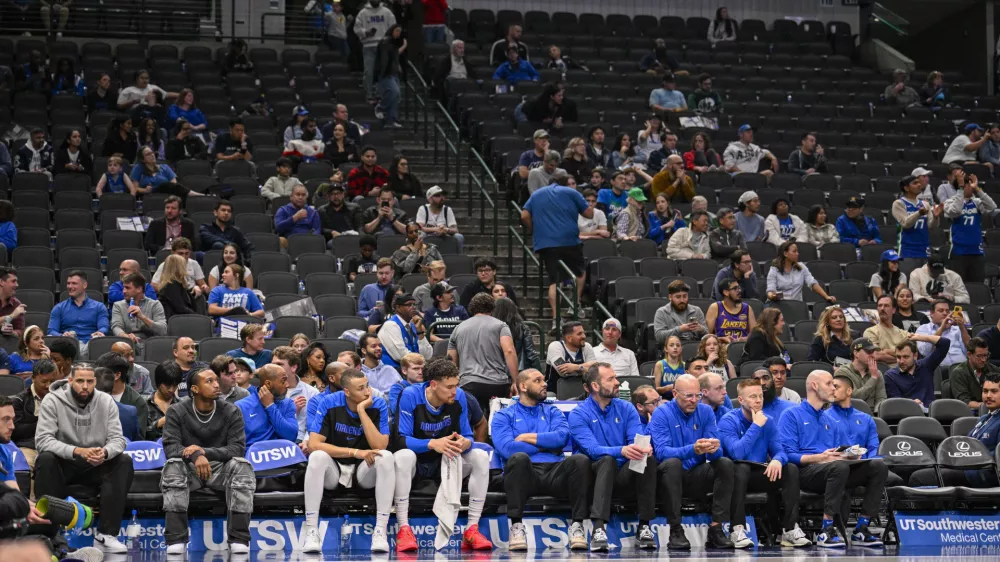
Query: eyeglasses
(690, 395)
(484, 270)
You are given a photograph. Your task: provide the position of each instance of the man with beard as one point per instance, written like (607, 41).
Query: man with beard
(380, 376)
(773, 405)
(27, 405)
(225, 368)
(80, 442)
(885, 336)
(677, 318)
(571, 356)
(266, 413)
(299, 392)
(530, 436)
(609, 442)
(138, 376)
(751, 436)
(412, 368)
(730, 319)
(403, 333)
(686, 441)
(812, 436)
(779, 374)
(966, 378)
(121, 391)
(948, 324)
(184, 354)
(416, 254)
(913, 377)
(713, 391)
(339, 217)
(348, 437)
(866, 380)
(204, 440)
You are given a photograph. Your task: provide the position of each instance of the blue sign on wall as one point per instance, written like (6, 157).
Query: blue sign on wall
(947, 528)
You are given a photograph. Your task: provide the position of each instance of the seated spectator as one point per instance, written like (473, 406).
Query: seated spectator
(33, 75)
(453, 67)
(933, 281)
(740, 269)
(365, 261)
(657, 160)
(184, 108)
(569, 356)
(27, 406)
(833, 340)
(748, 221)
(338, 216)
(297, 125)
(231, 298)
(598, 154)
(137, 93)
(339, 148)
(664, 220)
(486, 272)
(699, 203)
(690, 242)
(678, 318)
(854, 227)
(889, 279)
(787, 276)
(150, 177)
(782, 226)
(621, 359)
(817, 231)
(122, 391)
(79, 316)
(596, 227)
(765, 338)
(384, 217)
(115, 180)
(898, 92)
(624, 152)
(266, 413)
(149, 137)
(137, 375)
(744, 157)
(380, 375)
(954, 183)
(499, 49)
(722, 28)
(237, 58)
(964, 148)
(726, 239)
(220, 233)
(668, 98)
(808, 158)
(438, 219)
(436, 272)
(551, 108)
(234, 145)
(702, 157)
(172, 289)
(906, 317)
(307, 148)
(67, 431)
(151, 108)
(281, 184)
(381, 313)
(252, 345)
(194, 277)
(185, 144)
(402, 182)
(557, 61)
(367, 179)
(30, 349)
(103, 96)
(913, 377)
(575, 160)
(673, 181)
(666, 370)
(373, 295)
(443, 309)
(659, 61)
(650, 139)
(8, 230)
(296, 217)
(967, 378)
(137, 317)
(862, 369)
(515, 69)
(704, 100)
(120, 140)
(167, 378)
(950, 325)
(531, 159)
(72, 156)
(169, 228)
(935, 93)
(63, 352)
(884, 335)
(36, 155)
(341, 117)
(542, 176)
(632, 223)
(613, 199)
(989, 153)
(6, 163)
(730, 318)
(415, 254)
(312, 366)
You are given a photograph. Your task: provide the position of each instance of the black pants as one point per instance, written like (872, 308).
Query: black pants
(835, 480)
(676, 483)
(750, 479)
(985, 478)
(111, 480)
(172, 189)
(570, 478)
(969, 268)
(608, 479)
(483, 392)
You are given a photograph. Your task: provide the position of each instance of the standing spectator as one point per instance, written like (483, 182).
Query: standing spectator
(524, 346)
(905, 316)
(659, 61)
(36, 155)
(621, 359)
(500, 48)
(185, 108)
(817, 231)
(335, 22)
(234, 145)
(136, 316)
(808, 158)
(371, 25)
(415, 254)
(898, 92)
(435, 18)
(781, 225)
(915, 219)
(385, 217)
(854, 227)
(964, 147)
(552, 212)
(668, 98)
(673, 181)
(989, 153)
(551, 108)
(787, 276)
(664, 221)
(296, 217)
(151, 177)
(184, 144)
(486, 281)
(162, 232)
(632, 222)
(138, 93)
(934, 281)
(678, 318)
(722, 28)
(744, 157)
(935, 93)
(730, 318)
(748, 221)
(948, 324)
(702, 157)
(386, 76)
(217, 234)
(79, 316)
(367, 179)
(913, 377)
(598, 154)
(438, 219)
(967, 378)
(833, 338)
(483, 349)
(704, 100)
(338, 216)
(575, 160)
(102, 97)
(692, 241)
(966, 209)
(403, 182)
(72, 156)
(515, 69)
(740, 269)
(596, 227)
(120, 140)
(545, 174)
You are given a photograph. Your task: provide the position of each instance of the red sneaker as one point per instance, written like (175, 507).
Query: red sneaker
(405, 541)
(472, 539)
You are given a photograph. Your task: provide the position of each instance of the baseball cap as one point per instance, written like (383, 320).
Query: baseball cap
(541, 134)
(637, 194)
(863, 344)
(434, 190)
(936, 268)
(335, 186)
(441, 288)
(612, 323)
(890, 255)
(405, 298)
(301, 111)
(250, 364)
(747, 195)
(972, 127)
(855, 202)
(906, 181)
(918, 172)
(744, 128)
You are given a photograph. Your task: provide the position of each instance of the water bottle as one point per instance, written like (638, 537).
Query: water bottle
(131, 303)
(345, 534)
(132, 532)
(624, 392)
(302, 287)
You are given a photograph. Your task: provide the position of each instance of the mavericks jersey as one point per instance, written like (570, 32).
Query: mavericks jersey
(341, 427)
(914, 242)
(967, 231)
(787, 228)
(418, 422)
(729, 325)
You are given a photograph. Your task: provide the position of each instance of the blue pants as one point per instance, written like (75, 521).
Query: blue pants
(388, 89)
(369, 57)
(435, 34)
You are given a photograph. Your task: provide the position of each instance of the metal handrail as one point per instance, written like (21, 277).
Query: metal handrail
(561, 295)
(601, 313)
(541, 338)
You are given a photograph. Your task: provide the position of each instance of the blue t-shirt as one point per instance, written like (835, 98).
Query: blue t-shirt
(455, 313)
(967, 231)
(7, 462)
(669, 99)
(229, 298)
(530, 160)
(164, 174)
(612, 203)
(787, 227)
(19, 365)
(555, 210)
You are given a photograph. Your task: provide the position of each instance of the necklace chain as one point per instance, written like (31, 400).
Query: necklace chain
(198, 414)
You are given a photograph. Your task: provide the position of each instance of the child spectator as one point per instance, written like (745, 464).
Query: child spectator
(115, 180)
(282, 184)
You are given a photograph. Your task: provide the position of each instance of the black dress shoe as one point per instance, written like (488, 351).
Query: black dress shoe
(678, 540)
(717, 539)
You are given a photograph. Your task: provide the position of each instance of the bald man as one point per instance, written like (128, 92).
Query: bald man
(811, 436)
(138, 376)
(116, 290)
(266, 412)
(686, 443)
(713, 393)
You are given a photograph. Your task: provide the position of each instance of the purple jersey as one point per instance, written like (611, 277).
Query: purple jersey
(735, 326)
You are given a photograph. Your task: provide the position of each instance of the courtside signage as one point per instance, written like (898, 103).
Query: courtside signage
(948, 528)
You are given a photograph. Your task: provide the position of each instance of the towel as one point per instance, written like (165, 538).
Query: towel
(448, 500)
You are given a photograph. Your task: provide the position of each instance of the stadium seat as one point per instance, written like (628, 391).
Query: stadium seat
(892, 410)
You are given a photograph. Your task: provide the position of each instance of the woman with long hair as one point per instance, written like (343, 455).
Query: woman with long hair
(934, 93)
(624, 152)
(717, 356)
(230, 255)
(664, 220)
(340, 149)
(832, 343)
(312, 367)
(299, 342)
(120, 140)
(149, 137)
(184, 144)
(152, 177)
(230, 297)
(524, 344)
(185, 108)
(889, 278)
(906, 317)
(173, 293)
(30, 348)
(575, 160)
(404, 183)
(702, 157)
(65, 80)
(72, 156)
(666, 370)
(722, 28)
(550, 108)
(650, 138)
(765, 338)
(787, 276)
(817, 230)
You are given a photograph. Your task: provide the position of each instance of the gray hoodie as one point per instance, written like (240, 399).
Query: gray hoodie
(667, 322)
(64, 426)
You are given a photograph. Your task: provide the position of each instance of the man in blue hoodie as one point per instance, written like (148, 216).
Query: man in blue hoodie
(529, 436)
(814, 439)
(686, 441)
(266, 413)
(856, 228)
(604, 428)
(750, 438)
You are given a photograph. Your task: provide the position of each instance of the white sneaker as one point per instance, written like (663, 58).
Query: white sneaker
(239, 548)
(739, 537)
(177, 549)
(795, 537)
(109, 544)
(313, 544)
(379, 541)
(518, 538)
(379, 114)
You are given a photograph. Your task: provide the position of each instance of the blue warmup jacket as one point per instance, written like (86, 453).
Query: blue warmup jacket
(804, 430)
(277, 421)
(743, 440)
(599, 433)
(721, 411)
(395, 391)
(675, 432)
(850, 233)
(776, 408)
(314, 403)
(859, 427)
(547, 421)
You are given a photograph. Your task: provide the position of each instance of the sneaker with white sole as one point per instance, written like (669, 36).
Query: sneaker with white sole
(518, 537)
(379, 114)
(313, 544)
(380, 543)
(599, 540)
(863, 537)
(239, 548)
(577, 536)
(795, 538)
(645, 539)
(177, 549)
(829, 537)
(739, 537)
(109, 544)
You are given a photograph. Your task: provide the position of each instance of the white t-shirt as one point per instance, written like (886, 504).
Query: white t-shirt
(956, 150)
(427, 217)
(591, 225)
(877, 280)
(215, 272)
(194, 273)
(133, 93)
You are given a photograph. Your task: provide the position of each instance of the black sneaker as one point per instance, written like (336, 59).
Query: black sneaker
(645, 538)
(678, 540)
(717, 539)
(599, 540)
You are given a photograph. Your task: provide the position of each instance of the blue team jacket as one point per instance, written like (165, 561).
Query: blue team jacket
(743, 440)
(675, 432)
(545, 420)
(599, 433)
(859, 427)
(850, 233)
(277, 421)
(804, 430)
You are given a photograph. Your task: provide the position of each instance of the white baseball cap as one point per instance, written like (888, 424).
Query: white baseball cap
(917, 172)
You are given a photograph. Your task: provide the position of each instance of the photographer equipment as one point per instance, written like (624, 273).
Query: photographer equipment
(68, 513)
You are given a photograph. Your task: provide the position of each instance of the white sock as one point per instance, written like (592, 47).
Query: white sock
(381, 520)
(475, 510)
(403, 511)
(312, 519)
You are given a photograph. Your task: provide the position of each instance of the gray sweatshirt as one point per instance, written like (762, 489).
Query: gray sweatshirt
(63, 425)
(122, 324)
(667, 321)
(222, 437)
(380, 19)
